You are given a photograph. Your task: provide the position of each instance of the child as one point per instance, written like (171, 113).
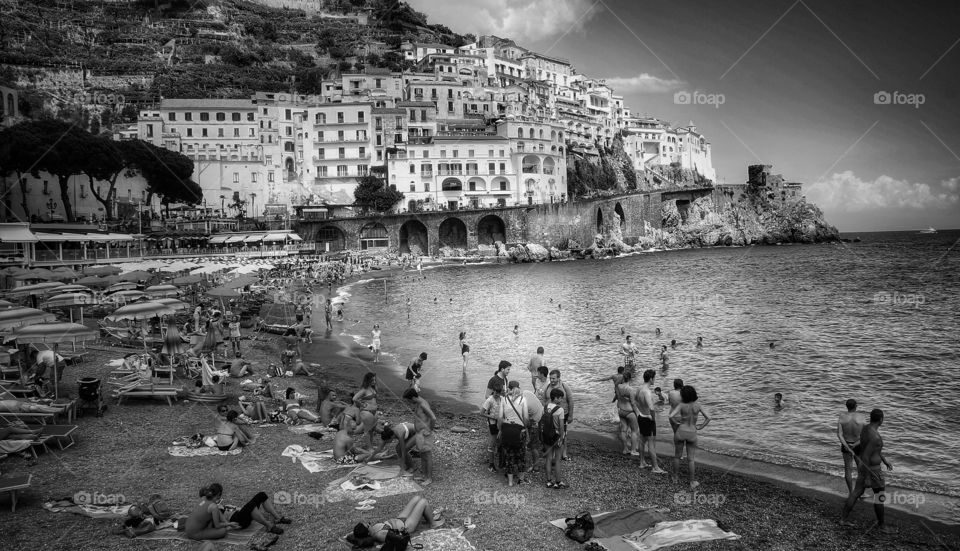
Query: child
(554, 449)
(339, 312)
(491, 409)
(234, 327)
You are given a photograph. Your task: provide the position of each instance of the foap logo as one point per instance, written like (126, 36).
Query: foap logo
(899, 98)
(84, 497)
(886, 298)
(308, 99)
(98, 98)
(697, 97)
(698, 299)
(683, 499)
(904, 499)
(497, 497)
(283, 497)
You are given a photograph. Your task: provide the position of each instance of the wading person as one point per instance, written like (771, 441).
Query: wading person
(628, 412)
(685, 415)
(629, 352)
(414, 371)
(869, 471)
(849, 427)
(536, 361)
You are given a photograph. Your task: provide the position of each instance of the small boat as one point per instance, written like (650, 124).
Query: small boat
(928, 230)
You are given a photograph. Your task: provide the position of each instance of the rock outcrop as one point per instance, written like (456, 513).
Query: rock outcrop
(530, 252)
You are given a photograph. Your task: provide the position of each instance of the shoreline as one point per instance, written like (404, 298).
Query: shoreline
(939, 509)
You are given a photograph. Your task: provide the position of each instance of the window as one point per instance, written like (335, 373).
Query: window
(378, 83)
(149, 130)
(491, 168)
(204, 132)
(204, 117)
(490, 153)
(188, 116)
(379, 154)
(379, 139)
(221, 117)
(361, 135)
(340, 117)
(472, 186)
(253, 177)
(418, 92)
(269, 159)
(413, 188)
(321, 153)
(443, 153)
(413, 168)
(449, 93)
(503, 168)
(236, 132)
(270, 176)
(456, 153)
(236, 177)
(470, 153)
(398, 121)
(320, 118)
(340, 135)
(426, 187)
(501, 153)
(378, 123)
(46, 188)
(342, 170)
(341, 152)
(503, 185)
(264, 110)
(413, 115)
(519, 132)
(423, 115)
(360, 117)
(189, 132)
(219, 132)
(249, 117)
(426, 170)
(253, 133)
(361, 170)
(433, 93)
(289, 131)
(322, 171)
(320, 136)
(286, 114)
(450, 106)
(426, 154)
(363, 152)
(398, 138)
(172, 117)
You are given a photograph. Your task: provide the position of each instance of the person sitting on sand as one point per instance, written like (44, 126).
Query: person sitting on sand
(685, 415)
(229, 436)
(223, 411)
(239, 367)
(366, 400)
(254, 409)
(416, 510)
(330, 408)
(345, 451)
(293, 405)
(207, 522)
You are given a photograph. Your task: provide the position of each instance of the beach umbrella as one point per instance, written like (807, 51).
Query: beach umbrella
(187, 280)
(172, 343)
(141, 311)
(241, 282)
(12, 270)
(121, 286)
(6, 303)
(35, 289)
(65, 273)
(98, 282)
(36, 273)
(53, 333)
(137, 275)
(12, 318)
(101, 270)
(74, 288)
(71, 299)
(162, 291)
(125, 296)
(173, 303)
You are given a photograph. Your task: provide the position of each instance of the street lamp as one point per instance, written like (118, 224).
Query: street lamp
(52, 206)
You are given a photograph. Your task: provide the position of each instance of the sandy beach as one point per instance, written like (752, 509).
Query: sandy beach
(125, 452)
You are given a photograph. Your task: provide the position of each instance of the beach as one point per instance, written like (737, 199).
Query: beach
(124, 452)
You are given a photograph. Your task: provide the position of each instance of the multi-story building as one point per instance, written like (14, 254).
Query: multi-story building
(540, 67)
(653, 143)
(339, 146)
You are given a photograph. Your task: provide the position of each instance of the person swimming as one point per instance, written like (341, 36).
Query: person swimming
(778, 401)
(657, 331)
(699, 342)
(597, 338)
(673, 343)
(516, 329)
(772, 346)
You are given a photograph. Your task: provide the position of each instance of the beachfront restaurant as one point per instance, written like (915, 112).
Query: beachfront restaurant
(21, 244)
(260, 243)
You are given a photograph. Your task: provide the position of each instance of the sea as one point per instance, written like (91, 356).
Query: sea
(876, 320)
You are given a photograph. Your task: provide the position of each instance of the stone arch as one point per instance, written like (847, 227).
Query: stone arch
(288, 164)
(331, 238)
(451, 184)
(476, 183)
(553, 135)
(599, 220)
(11, 111)
(500, 183)
(413, 238)
(549, 166)
(491, 229)
(374, 236)
(520, 132)
(531, 164)
(618, 210)
(453, 233)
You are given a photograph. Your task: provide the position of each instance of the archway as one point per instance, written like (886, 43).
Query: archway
(599, 221)
(453, 233)
(413, 238)
(548, 165)
(491, 229)
(619, 212)
(330, 238)
(531, 164)
(374, 236)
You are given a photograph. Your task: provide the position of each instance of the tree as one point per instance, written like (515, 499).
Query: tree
(373, 194)
(67, 148)
(20, 152)
(104, 161)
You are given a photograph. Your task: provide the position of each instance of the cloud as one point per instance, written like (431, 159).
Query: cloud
(522, 20)
(845, 192)
(644, 83)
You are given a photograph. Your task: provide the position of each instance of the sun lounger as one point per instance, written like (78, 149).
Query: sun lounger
(59, 433)
(12, 484)
(28, 417)
(147, 391)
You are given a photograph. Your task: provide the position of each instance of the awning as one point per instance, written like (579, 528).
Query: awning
(275, 237)
(55, 237)
(235, 239)
(216, 239)
(294, 237)
(119, 237)
(253, 239)
(16, 234)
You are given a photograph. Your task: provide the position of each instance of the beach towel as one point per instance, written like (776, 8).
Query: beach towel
(92, 511)
(443, 539)
(666, 534)
(14, 446)
(319, 461)
(388, 487)
(183, 451)
(304, 429)
(233, 537)
(610, 526)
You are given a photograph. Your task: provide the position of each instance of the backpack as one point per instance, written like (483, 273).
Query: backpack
(580, 528)
(396, 540)
(548, 430)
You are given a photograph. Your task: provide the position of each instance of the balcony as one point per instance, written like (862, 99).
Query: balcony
(473, 172)
(339, 160)
(321, 125)
(426, 174)
(449, 173)
(420, 140)
(344, 140)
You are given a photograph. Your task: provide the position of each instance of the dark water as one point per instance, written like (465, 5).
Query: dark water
(876, 321)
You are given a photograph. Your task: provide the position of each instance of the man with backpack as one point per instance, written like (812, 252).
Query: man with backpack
(553, 435)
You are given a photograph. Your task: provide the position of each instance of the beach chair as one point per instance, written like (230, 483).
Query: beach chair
(40, 418)
(168, 393)
(13, 484)
(89, 392)
(118, 336)
(58, 433)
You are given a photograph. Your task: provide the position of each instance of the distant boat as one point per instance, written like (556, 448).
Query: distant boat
(928, 230)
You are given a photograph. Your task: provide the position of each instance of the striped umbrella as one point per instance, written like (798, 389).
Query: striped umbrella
(11, 318)
(121, 286)
(101, 270)
(71, 299)
(53, 333)
(35, 289)
(125, 296)
(162, 291)
(141, 311)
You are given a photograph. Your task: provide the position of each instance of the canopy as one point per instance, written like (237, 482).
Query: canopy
(253, 239)
(217, 239)
(275, 237)
(141, 311)
(235, 238)
(12, 318)
(223, 292)
(101, 270)
(16, 233)
(294, 237)
(55, 237)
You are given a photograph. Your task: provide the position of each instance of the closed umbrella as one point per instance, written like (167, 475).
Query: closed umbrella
(69, 300)
(101, 270)
(53, 333)
(172, 343)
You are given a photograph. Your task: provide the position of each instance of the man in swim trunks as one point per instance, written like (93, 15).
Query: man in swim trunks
(869, 471)
(424, 422)
(647, 420)
(664, 358)
(345, 451)
(627, 410)
(629, 352)
(849, 426)
(413, 371)
(534, 366)
(673, 398)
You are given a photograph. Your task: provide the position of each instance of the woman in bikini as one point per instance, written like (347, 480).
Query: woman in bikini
(366, 400)
(464, 349)
(627, 410)
(294, 408)
(685, 414)
(229, 436)
(375, 343)
(207, 521)
(416, 509)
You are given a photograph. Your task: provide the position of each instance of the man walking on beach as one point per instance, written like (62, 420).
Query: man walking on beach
(534, 366)
(413, 371)
(566, 404)
(869, 471)
(629, 352)
(647, 421)
(849, 427)
(424, 421)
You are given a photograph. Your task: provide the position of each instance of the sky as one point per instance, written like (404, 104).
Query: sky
(858, 100)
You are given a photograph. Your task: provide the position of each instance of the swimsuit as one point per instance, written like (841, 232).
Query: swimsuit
(872, 474)
(855, 446)
(464, 348)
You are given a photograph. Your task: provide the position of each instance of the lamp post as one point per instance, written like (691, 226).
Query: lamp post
(52, 206)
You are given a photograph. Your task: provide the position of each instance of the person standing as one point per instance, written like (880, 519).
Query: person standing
(674, 399)
(499, 377)
(375, 343)
(424, 422)
(328, 314)
(513, 434)
(629, 414)
(566, 403)
(555, 411)
(491, 411)
(849, 427)
(664, 358)
(464, 349)
(685, 415)
(536, 361)
(869, 471)
(647, 421)
(629, 352)
(234, 328)
(414, 371)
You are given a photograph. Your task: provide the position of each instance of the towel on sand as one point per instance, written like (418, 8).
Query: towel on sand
(183, 451)
(313, 427)
(233, 537)
(443, 539)
(318, 461)
(666, 534)
(92, 511)
(388, 477)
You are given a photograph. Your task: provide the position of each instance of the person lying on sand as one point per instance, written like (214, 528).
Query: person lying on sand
(207, 521)
(416, 510)
(293, 404)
